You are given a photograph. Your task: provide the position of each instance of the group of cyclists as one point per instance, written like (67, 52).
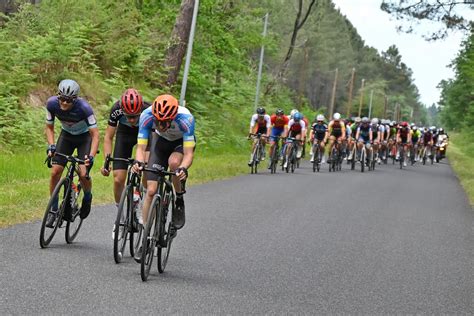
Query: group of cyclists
(162, 130)
(385, 138)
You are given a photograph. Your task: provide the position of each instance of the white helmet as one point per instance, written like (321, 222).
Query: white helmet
(375, 121)
(357, 119)
(68, 88)
(320, 117)
(336, 116)
(293, 112)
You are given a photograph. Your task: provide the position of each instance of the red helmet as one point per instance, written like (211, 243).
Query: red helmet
(404, 124)
(131, 102)
(165, 107)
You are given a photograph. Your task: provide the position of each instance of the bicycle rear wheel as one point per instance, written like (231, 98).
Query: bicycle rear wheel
(362, 159)
(122, 223)
(73, 226)
(149, 239)
(55, 208)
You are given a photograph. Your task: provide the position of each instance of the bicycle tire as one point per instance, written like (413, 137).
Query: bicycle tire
(362, 159)
(44, 242)
(402, 157)
(73, 227)
(121, 230)
(165, 229)
(149, 239)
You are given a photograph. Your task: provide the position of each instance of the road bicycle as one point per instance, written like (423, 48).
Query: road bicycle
(290, 159)
(126, 222)
(64, 204)
(317, 154)
(257, 153)
(159, 230)
(275, 154)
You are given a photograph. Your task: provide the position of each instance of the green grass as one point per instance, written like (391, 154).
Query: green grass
(25, 179)
(461, 156)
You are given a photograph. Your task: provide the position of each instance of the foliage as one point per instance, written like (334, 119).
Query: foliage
(450, 13)
(457, 95)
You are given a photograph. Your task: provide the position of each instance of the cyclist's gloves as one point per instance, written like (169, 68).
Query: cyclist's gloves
(182, 169)
(51, 149)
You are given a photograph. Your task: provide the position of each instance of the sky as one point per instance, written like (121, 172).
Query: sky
(428, 60)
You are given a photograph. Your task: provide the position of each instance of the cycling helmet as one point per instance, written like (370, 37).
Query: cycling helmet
(131, 102)
(297, 117)
(260, 111)
(320, 117)
(357, 120)
(404, 124)
(414, 127)
(375, 121)
(365, 120)
(68, 88)
(336, 116)
(441, 131)
(279, 112)
(165, 107)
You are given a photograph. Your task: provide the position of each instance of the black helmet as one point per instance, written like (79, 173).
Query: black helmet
(279, 112)
(260, 111)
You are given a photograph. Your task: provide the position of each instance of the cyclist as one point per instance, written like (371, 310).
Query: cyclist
(415, 141)
(296, 129)
(363, 136)
(352, 135)
(279, 128)
(404, 138)
(319, 134)
(172, 145)
(427, 141)
(377, 134)
(78, 131)
(260, 123)
(336, 130)
(123, 121)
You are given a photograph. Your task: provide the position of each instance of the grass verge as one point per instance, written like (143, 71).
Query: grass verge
(24, 182)
(460, 154)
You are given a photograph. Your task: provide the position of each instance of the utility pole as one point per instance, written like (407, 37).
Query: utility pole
(333, 96)
(188, 55)
(370, 103)
(385, 106)
(351, 86)
(260, 65)
(361, 96)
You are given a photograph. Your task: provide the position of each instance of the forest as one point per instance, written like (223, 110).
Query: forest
(314, 60)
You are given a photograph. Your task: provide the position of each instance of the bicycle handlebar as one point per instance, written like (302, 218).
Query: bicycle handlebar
(108, 159)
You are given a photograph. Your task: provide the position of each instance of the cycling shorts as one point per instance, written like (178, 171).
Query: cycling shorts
(365, 140)
(67, 143)
(294, 134)
(160, 151)
(125, 140)
(275, 133)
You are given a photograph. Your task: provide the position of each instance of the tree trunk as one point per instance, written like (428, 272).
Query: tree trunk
(179, 41)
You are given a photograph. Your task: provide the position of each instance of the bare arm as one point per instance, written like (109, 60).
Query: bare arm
(95, 141)
(108, 140)
(49, 131)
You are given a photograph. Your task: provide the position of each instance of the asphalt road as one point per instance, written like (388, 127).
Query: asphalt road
(389, 241)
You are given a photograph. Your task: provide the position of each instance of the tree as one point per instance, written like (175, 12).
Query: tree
(442, 11)
(299, 22)
(179, 41)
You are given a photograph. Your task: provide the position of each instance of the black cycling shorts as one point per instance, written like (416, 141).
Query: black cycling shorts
(125, 140)
(262, 130)
(67, 143)
(161, 150)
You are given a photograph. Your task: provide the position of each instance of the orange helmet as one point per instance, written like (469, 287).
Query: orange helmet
(165, 107)
(131, 102)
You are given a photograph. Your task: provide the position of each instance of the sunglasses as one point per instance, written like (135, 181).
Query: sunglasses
(66, 99)
(132, 117)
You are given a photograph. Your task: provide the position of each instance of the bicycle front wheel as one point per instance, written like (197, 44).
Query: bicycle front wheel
(166, 231)
(55, 209)
(149, 240)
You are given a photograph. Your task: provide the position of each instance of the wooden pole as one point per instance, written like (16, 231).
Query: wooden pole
(333, 96)
(361, 97)
(351, 86)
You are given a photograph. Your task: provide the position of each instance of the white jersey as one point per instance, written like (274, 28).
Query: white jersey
(266, 118)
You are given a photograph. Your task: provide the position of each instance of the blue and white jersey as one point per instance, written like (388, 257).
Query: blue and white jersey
(76, 121)
(181, 127)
